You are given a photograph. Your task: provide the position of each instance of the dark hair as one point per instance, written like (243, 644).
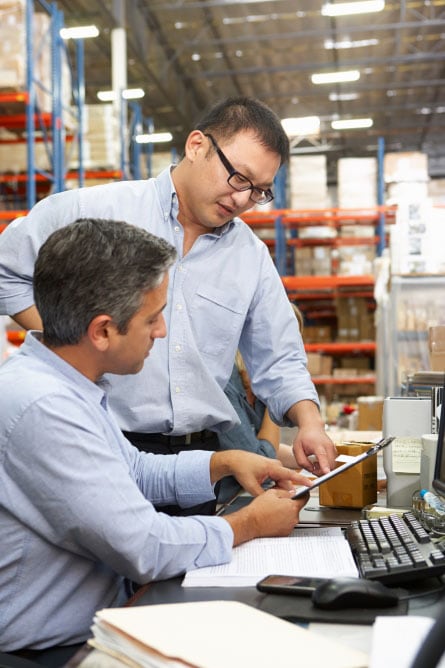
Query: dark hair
(237, 114)
(95, 266)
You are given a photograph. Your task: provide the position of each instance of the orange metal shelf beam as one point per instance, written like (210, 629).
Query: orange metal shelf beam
(340, 347)
(326, 282)
(89, 174)
(351, 380)
(19, 120)
(15, 96)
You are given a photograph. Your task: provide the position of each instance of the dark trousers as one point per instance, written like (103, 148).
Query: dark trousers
(52, 657)
(160, 444)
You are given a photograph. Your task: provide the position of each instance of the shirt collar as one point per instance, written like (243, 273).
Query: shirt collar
(170, 204)
(33, 345)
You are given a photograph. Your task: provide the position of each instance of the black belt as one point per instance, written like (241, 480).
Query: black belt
(186, 439)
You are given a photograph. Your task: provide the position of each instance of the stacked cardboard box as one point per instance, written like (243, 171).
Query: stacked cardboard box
(313, 261)
(101, 146)
(357, 182)
(308, 182)
(417, 239)
(13, 55)
(355, 321)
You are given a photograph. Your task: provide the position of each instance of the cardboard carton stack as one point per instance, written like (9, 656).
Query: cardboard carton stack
(308, 182)
(357, 183)
(406, 176)
(13, 54)
(101, 147)
(417, 239)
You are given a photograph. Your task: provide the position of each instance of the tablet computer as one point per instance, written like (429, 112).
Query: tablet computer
(373, 450)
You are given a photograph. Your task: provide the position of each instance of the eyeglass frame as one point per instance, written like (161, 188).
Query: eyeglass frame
(234, 172)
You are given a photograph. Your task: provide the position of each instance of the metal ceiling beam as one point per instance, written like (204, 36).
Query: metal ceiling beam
(302, 34)
(316, 67)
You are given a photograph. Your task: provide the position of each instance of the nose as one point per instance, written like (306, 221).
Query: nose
(242, 199)
(161, 329)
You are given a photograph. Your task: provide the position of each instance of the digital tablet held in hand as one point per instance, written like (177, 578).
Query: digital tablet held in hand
(373, 450)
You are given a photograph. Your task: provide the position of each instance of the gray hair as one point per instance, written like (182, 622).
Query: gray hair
(95, 266)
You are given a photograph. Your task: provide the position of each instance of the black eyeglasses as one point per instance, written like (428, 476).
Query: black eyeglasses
(240, 182)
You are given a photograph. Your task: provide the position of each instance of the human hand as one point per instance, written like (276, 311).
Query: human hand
(313, 440)
(273, 513)
(252, 470)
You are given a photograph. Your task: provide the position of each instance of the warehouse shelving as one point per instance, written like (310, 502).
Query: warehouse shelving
(316, 295)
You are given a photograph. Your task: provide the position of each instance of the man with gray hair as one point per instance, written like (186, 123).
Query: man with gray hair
(77, 519)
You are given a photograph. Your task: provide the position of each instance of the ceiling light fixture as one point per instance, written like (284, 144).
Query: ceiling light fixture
(343, 97)
(349, 44)
(154, 138)
(347, 8)
(352, 124)
(303, 126)
(127, 94)
(79, 32)
(335, 77)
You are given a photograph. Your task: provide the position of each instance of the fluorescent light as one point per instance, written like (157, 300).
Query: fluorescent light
(154, 138)
(335, 77)
(79, 32)
(346, 8)
(343, 97)
(352, 124)
(303, 126)
(127, 94)
(349, 44)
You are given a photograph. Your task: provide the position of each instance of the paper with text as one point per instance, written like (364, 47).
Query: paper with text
(406, 453)
(320, 552)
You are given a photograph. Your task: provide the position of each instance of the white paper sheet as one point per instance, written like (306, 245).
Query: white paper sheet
(312, 552)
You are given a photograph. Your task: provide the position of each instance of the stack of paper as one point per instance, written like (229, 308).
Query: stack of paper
(323, 553)
(213, 634)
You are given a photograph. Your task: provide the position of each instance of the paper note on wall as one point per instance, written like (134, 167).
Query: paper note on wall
(406, 453)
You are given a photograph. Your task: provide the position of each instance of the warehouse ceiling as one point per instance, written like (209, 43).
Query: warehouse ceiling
(187, 54)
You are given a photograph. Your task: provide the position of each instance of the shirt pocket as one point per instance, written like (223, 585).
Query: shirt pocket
(217, 321)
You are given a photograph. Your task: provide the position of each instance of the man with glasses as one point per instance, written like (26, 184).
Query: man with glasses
(224, 290)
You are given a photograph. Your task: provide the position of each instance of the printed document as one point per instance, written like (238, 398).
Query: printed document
(323, 553)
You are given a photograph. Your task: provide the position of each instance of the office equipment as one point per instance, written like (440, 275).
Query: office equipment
(351, 461)
(395, 549)
(439, 469)
(408, 641)
(289, 584)
(407, 418)
(341, 593)
(214, 634)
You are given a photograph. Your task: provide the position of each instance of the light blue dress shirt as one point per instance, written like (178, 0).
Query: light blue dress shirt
(223, 294)
(76, 516)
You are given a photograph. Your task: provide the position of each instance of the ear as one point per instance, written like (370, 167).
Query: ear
(194, 144)
(100, 331)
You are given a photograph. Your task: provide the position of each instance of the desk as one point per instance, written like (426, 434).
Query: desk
(358, 636)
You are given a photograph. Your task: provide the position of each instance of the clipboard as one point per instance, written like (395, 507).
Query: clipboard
(373, 450)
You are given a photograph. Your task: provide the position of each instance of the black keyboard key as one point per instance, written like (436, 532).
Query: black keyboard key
(395, 549)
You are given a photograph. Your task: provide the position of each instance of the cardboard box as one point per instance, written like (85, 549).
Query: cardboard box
(356, 487)
(436, 347)
(370, 413)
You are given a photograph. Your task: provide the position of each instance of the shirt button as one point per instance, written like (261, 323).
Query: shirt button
(177, 389)
(178, 349)
(180, 267)
(179, 307)
(176, 229)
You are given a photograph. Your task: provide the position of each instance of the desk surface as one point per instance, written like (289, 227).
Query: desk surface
(426, 601)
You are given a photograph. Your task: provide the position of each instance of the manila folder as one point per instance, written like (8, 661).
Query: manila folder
(216, 634)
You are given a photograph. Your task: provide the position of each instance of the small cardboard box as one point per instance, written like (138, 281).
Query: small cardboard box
(356, 487)
(370, 413)
(436, 345)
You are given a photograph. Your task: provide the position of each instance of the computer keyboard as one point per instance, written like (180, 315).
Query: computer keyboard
(395, 549)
